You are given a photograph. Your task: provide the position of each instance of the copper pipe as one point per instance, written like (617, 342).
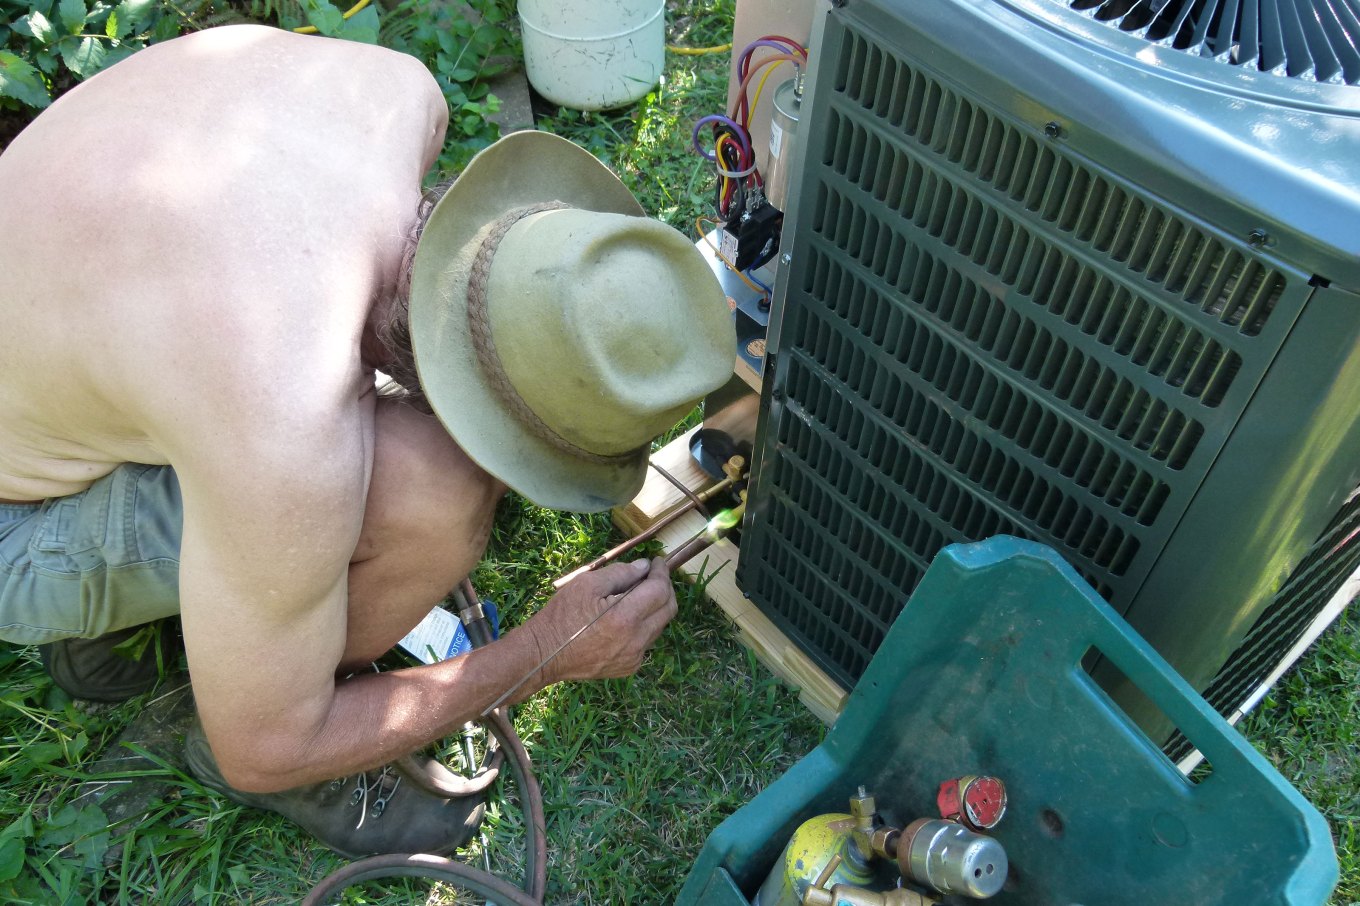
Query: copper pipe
(703, 539)
(680, 486)
(646, 535)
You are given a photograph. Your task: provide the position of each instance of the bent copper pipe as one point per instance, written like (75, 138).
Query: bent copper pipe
(623, 547)
(702, 540)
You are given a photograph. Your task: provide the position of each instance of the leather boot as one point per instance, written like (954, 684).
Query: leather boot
(381, 811)
(90, 669)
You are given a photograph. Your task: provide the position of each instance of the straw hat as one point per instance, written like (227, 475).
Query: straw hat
(557, 330)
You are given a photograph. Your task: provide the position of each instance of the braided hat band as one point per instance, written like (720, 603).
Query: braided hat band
(479, 328)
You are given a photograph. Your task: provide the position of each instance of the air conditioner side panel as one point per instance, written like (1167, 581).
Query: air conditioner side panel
(1286, 470)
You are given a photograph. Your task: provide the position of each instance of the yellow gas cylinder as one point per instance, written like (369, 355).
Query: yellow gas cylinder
(813, 847)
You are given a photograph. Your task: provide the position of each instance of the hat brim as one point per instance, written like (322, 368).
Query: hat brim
(522, 169)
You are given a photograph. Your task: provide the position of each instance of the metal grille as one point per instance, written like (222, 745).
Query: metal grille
(1331, 560)
(983, 334)
(1317, 40)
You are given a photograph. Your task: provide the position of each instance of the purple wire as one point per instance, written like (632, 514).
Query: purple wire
(717, 118)
(777, 45)
(744, 61)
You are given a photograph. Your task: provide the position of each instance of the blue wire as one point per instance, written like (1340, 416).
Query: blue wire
(750, 275)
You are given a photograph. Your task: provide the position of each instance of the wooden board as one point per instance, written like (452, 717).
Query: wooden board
(822, 695)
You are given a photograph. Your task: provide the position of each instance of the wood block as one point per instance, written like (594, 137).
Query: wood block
(658, 496)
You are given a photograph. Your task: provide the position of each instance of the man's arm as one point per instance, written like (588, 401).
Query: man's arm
(263, 585)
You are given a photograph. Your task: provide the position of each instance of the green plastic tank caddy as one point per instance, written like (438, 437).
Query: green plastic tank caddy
(982, 673)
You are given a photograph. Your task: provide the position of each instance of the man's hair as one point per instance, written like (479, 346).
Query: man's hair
(393, 330)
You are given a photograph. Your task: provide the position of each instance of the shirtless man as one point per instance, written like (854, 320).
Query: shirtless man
(206, 252)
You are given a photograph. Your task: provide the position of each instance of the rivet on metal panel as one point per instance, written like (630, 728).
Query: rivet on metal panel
(1258, 238)
(787, 257)
(1053, 129)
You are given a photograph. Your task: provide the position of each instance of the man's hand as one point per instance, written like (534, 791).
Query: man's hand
(636, 600)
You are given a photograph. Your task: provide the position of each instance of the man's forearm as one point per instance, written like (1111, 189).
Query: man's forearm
(377, 717)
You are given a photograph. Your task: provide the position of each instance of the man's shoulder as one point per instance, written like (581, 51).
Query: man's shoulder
(259, 52)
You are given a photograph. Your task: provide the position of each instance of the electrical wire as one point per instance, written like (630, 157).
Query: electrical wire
(768, 290)
(740, 111)
(719, 119)
(312, 29)
(760, 87)
(779, 43)
(739, 185)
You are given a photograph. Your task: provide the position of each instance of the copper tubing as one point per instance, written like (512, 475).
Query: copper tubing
(679, 485)
(703, 539)
(625, 546)
(690, 549)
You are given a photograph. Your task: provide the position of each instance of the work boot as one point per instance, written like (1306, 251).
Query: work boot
(367, 814)
(90, 668)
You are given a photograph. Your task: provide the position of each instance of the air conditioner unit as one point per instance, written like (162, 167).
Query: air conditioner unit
(1085, 273)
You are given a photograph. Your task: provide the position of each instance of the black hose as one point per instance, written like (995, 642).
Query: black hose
(536, 828)
(435, 868)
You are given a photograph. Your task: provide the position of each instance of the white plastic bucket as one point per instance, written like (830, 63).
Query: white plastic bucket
(593, 54)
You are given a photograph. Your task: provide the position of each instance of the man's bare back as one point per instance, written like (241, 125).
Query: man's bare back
(195, 242)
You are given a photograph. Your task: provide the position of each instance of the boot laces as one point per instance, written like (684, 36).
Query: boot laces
(380, 786)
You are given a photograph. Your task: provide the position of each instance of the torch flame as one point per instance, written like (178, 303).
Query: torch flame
(725, 520)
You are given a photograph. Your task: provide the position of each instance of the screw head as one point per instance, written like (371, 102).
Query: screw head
(1053, 129)
(1258, 238)
(785, 258)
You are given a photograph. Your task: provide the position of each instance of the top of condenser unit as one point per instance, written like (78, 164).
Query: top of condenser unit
(1255, 46)
(1313, 40)
(1246, 112)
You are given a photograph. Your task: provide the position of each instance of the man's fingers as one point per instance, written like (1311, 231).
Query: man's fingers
(617, 578)
(658, 619)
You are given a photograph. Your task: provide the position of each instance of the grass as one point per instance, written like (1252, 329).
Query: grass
(1309, 727)
(635, 772)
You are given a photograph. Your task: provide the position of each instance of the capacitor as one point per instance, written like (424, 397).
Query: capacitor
(788, 101)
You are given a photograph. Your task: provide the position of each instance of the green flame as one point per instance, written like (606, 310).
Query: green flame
(723, 521)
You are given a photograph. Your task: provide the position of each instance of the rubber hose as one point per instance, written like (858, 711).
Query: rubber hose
(499, 725)
(449, 785)
(434, 868)
(437, 868)
(536, 826)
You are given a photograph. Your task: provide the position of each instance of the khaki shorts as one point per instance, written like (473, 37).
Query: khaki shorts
(93, 562)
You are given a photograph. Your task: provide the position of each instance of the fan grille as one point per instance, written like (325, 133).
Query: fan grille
(1314, 40)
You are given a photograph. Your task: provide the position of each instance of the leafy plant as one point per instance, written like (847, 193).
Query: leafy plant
(462, 49)
(47, 46)
(50, 44)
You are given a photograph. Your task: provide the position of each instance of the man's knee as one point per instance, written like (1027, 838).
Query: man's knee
(425, 492)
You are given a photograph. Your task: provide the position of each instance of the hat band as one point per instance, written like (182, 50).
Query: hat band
(479, 328)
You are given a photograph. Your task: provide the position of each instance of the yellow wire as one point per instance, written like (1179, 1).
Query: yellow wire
(760, 86)
(708, 238)
(698, 51)
(311, 29)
